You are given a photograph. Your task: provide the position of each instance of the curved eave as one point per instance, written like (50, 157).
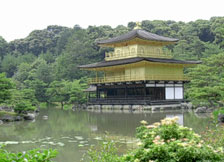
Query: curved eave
(141, 34)
(136, 40)
(105, 64)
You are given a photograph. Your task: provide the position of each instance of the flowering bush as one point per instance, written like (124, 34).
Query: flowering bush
(166, 141)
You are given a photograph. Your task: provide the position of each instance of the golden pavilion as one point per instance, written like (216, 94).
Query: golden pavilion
(138, 71)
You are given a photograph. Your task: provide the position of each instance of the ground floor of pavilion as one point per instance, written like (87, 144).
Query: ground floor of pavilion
(143, 93)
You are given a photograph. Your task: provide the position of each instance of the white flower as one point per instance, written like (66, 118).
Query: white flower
(199, 145)
(136, 160)
(150, 126)
(197, 135)
(156, 124)
(220, 149)
(143, 122)
(169, 121)
(139, 143)
(157, 138)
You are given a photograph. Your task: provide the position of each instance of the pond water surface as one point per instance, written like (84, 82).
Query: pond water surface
(73, 132)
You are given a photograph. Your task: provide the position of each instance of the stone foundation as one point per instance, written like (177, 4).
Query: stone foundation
(142, 107)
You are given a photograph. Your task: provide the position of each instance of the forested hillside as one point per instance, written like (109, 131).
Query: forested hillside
(44, 64)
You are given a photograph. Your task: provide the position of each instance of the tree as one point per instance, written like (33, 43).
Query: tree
(44, 72)
(217, 28)
(9, 65)
(3, 47)
(207, 84)
(59, 92)
(22, 73)
(5, 86)
(23, 100)
(77, 96)
(40, 89)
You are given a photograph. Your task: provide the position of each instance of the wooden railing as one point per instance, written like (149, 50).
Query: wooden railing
(127, 78)
(114, 56)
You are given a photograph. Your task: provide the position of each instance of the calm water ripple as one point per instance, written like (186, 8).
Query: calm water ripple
(73, 132)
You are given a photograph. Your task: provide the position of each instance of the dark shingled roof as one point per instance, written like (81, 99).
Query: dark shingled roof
(138, 33)
(134, 60)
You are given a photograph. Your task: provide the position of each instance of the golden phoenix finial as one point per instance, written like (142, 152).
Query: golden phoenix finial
(138, 25)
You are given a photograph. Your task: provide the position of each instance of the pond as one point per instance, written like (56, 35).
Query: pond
(73, 132)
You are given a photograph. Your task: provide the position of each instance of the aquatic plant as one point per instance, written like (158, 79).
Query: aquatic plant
(35, 155)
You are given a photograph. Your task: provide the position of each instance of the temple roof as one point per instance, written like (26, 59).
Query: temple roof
(138, 33)
(135, 60)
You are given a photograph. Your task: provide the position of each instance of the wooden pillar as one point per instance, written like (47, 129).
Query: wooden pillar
(97, 93)
(104, 76)
(144, 90)
(125, 91)
(183, 89)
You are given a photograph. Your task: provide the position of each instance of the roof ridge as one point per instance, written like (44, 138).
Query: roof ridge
(140, 33)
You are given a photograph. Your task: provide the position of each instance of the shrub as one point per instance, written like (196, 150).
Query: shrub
(5, 86)
(68, 107)
(217, 112)
(24, 106)
(108, 153)
(28, 156)
(166, 141)
(214, 136)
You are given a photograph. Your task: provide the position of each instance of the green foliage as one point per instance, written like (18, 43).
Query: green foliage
(3, 47)
(5, 86)
(166, 141)
(107, 153)
(77, 96)
(217, 28)
(22, 73)
(54, 53)
(24, 106)
(207, 84)
(7, 113)
(43, 105)
(68, 107)
(217, 112)
(35, 155)
(23, 100)
(40, 89)
(9, 65)
(38, 41)
(218, 133)
(67, 92)
(59, 91)
(44, 72)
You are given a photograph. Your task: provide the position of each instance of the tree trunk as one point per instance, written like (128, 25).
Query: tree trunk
(62, 105)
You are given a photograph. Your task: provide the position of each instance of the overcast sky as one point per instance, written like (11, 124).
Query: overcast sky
(19, 17)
